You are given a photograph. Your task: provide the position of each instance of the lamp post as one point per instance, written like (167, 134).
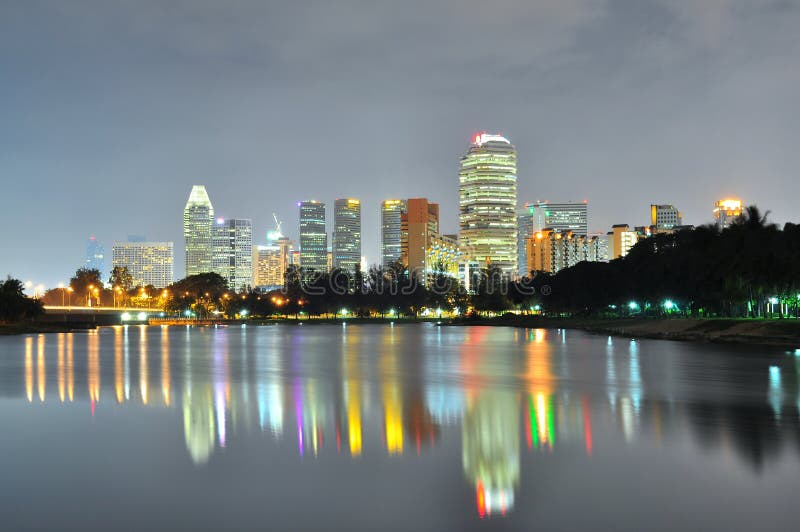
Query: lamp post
(61, 287)
(89, 295)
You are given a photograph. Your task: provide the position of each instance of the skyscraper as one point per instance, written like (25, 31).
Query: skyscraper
(347, 234)
(313, 237)
(423, 249)
(198, 221)
(665, 216)
(95, 255)
(563, 217)
(270, 262)
(390, 230)
(726, 211)
(488, 202)
(149, 263)
(232, 255)
(526, 226)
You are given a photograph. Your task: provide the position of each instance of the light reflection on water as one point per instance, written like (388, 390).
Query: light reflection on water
(504, 396)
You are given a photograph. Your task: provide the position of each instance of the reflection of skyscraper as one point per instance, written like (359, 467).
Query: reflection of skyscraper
(198, 218)
(198, 421)
(488, 202)
(490, 457)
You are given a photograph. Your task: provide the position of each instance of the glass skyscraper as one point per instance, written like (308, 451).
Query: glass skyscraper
(526, 226)
(232, 255)
(572, 216)
(95, 255)
(391, 211)
(198, 221)
(488, 202)
(313, 237)
(347, 234)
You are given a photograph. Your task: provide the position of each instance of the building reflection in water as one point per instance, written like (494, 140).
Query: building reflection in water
(227, 382)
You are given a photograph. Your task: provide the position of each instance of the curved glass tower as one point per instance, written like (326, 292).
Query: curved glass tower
(488, 202)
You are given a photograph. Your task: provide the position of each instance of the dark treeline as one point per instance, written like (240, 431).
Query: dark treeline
(750, 269)
(15, 306)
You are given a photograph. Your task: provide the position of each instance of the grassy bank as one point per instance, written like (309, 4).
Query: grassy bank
(773, 332)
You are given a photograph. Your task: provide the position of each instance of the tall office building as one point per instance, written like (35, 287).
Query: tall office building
(347, 234)
(726, 211)
(570, 216)
(488, 202)
(313, 237)
(95, 255)
(526, 227)
(149, 263)
(271, 261)
(232, 255)
(391, 211)
(198, 222)
(423, 249)
(665, 217)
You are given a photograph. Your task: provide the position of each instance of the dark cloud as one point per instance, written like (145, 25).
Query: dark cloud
(112, 110)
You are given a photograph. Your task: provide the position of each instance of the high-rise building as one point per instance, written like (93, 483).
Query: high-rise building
(149, 263)
(95, 255)
(313, 237)
(271, 261)
(232, 255)
(347, 234)
(423, 249)
(621, 240)
(526, 226)
(198, 222)
(391, 232)
(665, 217)
(570, 216)
(488, 202)
(726, 211)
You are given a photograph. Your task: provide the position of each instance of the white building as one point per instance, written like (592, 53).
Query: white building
(149, 263)
(232, 256)
(198, 221)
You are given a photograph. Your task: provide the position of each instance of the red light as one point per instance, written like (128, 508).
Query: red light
(480, 499)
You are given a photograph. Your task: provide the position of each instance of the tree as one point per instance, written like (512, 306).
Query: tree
(15, 305)
(86, 283)
(121, 277)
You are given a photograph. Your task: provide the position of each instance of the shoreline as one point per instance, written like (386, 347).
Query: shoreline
(773, 332)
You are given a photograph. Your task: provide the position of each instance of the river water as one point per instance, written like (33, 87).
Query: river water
(407, 427)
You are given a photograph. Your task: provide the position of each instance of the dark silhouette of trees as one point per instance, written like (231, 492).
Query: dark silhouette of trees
(15, 306)
(749, 269)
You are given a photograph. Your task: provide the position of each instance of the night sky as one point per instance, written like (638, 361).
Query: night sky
(111, 110)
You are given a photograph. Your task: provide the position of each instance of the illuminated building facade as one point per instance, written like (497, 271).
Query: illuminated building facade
(347, 234)
(95, 255)
(313, 237)
(621, 240)
(570, 216)
(270, 263)
(391, 230)
(526, 226)
(423, 249)
(550, 251)
(232, 256)
(198, 223)
(726, 211)
(149, 263)
(488, 202)
(665, 217)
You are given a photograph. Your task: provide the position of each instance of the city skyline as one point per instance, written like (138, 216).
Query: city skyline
(597, 98)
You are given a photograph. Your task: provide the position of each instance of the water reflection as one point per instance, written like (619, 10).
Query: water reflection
(392, 392)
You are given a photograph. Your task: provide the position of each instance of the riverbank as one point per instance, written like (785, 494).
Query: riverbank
(741, 331)
(7, 329)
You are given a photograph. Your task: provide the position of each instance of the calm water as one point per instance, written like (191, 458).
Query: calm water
(408, 427)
